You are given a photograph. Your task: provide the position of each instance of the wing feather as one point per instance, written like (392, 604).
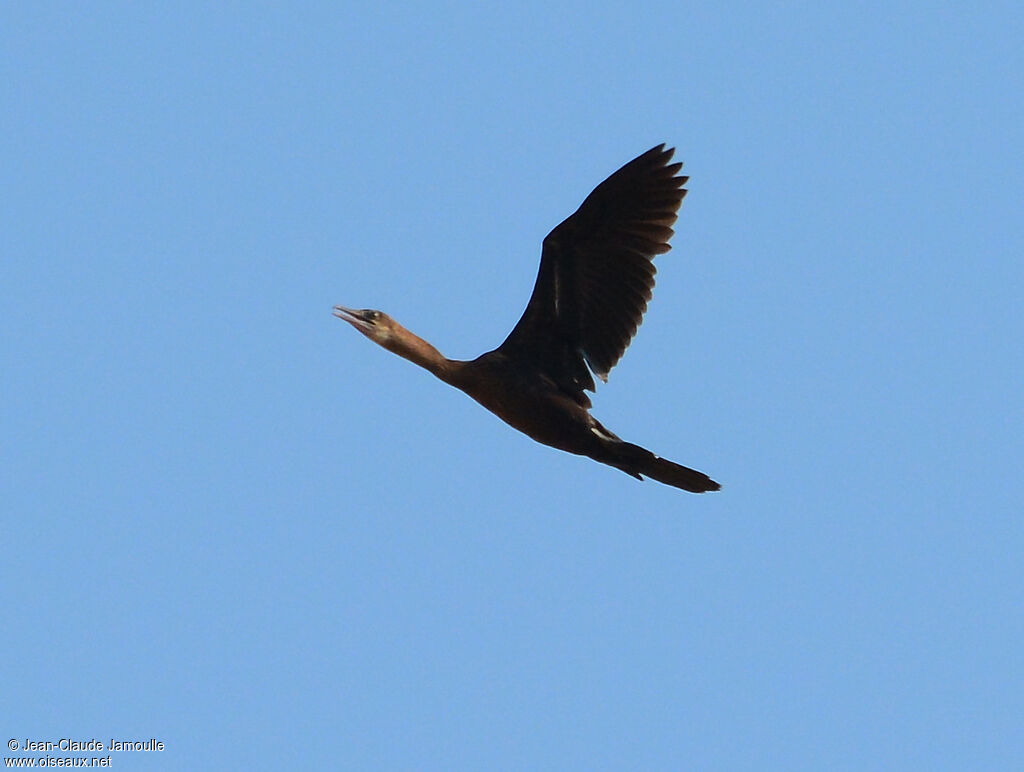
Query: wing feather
(596, 274)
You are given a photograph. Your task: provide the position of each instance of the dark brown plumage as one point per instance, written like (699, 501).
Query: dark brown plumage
(592, 289)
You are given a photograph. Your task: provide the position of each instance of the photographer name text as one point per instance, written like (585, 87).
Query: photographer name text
(88, 746)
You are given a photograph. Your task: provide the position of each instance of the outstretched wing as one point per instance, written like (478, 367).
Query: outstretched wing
(596, 274)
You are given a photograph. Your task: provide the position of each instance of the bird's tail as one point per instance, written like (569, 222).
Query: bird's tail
(637, 461)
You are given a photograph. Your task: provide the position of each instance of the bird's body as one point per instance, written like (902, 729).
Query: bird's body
(526, 400)
(592, 289)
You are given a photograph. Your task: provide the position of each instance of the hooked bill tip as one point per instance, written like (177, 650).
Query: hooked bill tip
(343, 313)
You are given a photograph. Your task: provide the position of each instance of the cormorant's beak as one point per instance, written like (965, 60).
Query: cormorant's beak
(356, 318)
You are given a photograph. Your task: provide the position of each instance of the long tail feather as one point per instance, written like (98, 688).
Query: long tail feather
(637, 461)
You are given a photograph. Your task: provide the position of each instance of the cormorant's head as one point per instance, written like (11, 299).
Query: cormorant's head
(375, 325)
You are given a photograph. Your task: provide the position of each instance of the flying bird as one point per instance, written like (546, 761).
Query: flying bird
(591, 293)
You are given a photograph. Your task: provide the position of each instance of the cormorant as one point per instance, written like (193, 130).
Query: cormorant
(591, 293)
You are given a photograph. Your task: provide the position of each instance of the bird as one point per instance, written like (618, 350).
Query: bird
(596, 277)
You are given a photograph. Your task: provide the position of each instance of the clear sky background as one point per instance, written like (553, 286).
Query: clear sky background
(236, 526)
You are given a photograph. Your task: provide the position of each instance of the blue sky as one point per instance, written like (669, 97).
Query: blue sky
(234, 525)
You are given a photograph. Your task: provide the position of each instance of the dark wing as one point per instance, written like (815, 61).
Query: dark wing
(596, 274)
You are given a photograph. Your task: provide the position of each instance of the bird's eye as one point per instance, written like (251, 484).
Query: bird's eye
(372, 316)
